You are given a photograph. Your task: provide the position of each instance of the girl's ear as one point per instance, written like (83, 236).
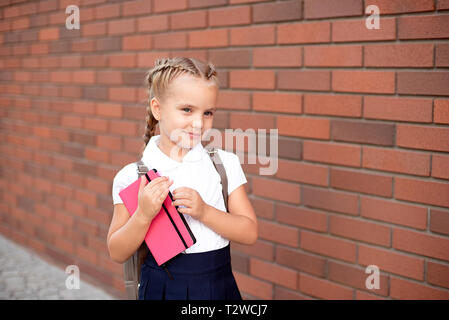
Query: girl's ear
(155, 108)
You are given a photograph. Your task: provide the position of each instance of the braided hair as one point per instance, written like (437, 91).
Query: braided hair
(162, 74)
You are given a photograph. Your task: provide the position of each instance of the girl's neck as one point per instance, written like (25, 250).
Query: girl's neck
(166, 146)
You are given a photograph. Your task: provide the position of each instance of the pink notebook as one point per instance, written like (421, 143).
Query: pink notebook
(168, 234)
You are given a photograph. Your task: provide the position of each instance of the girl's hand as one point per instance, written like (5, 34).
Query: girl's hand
(152, 195)
(191, 199)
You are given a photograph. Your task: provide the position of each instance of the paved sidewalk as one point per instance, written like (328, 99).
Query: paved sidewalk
(25, 276)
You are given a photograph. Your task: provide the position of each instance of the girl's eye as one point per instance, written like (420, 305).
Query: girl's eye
(210, 113)
(185, 109)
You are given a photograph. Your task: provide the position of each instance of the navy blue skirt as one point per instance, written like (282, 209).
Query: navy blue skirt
(193, 276)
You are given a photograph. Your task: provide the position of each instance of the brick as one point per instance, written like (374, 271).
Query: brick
(303, 127)
(363, 81)
(263, 208)
(333, 105)
(398, 109)
(333, 56)
(418, 55)
(356, 30)
(441, 111)
(361, 182)
(438, 274)
(363, 132)
(440, 166)
(121, 26)
(333, 153)
(153, 23)
(246, 121)
(123, 94)
(48, 34)
(314, 80)
(230, 58)
(257, 288)
(277, 12)
(316, 9)
(136, 42)
(393, 262)
(137, 7)
(229, 16)
(277, 102)
(273, 273)
(289, 148)
(252, 79)
(422, 137)
(164, 6)
(107, 11)
(277, 233)
(324, 289)
(233, 100)
(423, 83)
(401, 6)
(283, 191)
(300, 217)
(393, 160)
(252, 36)
(188, 20)
(330, 200)
(261, 249)
(302, 172)
(299, 33)
(442, 55)
(94, 29)
(301, 261)
(355, 277)
(360, 230)
(269, 57)
(328, 246)
(208, 38)
(420, 243)
(439, 221)
(443, 5)
(423, 27)
(179, 40)
(407, 290)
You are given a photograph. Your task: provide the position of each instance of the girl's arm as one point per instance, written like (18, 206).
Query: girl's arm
(240, 224)
(126, 233)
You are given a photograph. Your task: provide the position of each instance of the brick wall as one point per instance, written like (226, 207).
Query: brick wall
(362, 116)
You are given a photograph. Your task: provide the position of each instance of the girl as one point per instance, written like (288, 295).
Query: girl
(182, 98)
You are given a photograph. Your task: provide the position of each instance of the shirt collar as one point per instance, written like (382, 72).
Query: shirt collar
(153, 157)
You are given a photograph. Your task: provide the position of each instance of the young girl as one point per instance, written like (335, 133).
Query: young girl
(182, 98)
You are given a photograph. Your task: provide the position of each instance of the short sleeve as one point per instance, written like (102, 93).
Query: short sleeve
(235, 174)
(122, 179)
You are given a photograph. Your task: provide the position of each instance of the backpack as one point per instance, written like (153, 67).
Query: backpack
(132, 266)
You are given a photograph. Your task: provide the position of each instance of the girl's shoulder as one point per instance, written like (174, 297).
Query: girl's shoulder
(230, 160)
(127, 174)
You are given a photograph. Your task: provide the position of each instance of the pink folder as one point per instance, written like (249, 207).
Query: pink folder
(168, 234)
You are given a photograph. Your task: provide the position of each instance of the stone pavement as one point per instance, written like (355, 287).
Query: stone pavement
(25, 276)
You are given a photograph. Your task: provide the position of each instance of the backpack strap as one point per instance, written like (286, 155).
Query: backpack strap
(218, 164)
(132, 266)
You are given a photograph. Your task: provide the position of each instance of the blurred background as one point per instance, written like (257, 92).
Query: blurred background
(362, 116)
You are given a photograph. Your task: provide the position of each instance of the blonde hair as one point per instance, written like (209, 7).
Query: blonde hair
(158, 79)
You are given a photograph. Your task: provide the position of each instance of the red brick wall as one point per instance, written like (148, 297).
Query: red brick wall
(362, 116)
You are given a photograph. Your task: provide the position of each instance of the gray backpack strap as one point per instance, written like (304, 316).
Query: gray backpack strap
(132, 266)
(218, 164)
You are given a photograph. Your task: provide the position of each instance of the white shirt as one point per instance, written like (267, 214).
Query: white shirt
(196, 171)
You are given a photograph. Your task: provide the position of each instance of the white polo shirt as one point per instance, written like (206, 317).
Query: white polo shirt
(196, 171)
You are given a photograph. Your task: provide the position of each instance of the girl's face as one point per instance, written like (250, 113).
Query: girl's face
(186, 112)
